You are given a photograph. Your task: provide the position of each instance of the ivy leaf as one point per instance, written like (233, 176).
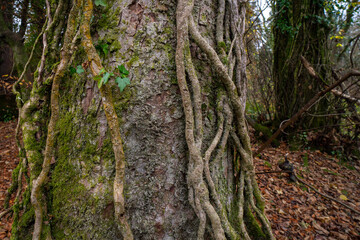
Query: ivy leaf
(123, 70)
(100, 83)
(105, 48)
(106, 77)
(122, 82)
(72, 70)
(102, 71)
(100, 3)
(79, 69)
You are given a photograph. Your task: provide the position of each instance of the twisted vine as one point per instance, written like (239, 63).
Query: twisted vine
(230, 67)
(76, 23)
(113, 122)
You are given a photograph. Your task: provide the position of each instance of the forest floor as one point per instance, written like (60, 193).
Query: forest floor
(295, 212)
(8, 161)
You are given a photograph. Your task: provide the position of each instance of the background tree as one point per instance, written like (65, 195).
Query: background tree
(82, 182)
(320, 31)
(20, 23)
(300, 29)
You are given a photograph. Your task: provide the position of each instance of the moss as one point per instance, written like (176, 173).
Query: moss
(203, 18)
(257, 195)
(133, 60)
(108, 18)
(115, 46)
(27, 218)
(34, 139)
(174, 81)
(26, 198)
(210, 116)
(252, 225)
(14, 185)
(75, 200)
(15, 224)
(222, 45)
(233, 214)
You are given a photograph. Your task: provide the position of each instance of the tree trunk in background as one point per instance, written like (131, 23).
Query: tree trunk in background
(77, 196)
(300, 29)
(13, 56)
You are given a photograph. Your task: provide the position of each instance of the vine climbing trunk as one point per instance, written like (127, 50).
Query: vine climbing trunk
(300, 29)
(113, 123)
(233, 93)
(145, 160)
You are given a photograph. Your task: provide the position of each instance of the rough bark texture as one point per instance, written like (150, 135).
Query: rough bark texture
(160, 170)
(79, 192)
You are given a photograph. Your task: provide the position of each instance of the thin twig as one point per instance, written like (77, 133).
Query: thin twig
(2, 214)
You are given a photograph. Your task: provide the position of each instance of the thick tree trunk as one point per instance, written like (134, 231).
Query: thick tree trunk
(300, 30)
(76, 199)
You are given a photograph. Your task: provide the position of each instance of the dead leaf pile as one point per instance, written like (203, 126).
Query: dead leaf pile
(8, 161)
(297, 212)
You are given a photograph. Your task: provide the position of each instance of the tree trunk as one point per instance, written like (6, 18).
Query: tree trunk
(13, 56)
(161, 178)
(300, 30)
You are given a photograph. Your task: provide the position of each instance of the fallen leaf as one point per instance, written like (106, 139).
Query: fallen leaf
(320, 228)
(343, 197)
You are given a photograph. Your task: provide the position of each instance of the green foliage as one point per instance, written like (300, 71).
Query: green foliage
(101, 3)
(121, 79)
(303, 137)
(79, 69)
(72, 70)
(122, 83)
(344, 192)
(123, 70)
(7, 115)
(266, 163)
(102, 49)
(104, 77)
(282, 20)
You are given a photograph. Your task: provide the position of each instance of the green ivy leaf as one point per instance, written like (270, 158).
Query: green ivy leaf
(123, 70)
(105, 48)
(100, 83)
(122, 82)
(100, 3)
(79, 69)
(102, 71)
(106, 77)
(72, 70)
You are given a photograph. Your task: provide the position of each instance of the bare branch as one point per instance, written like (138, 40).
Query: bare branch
(307, 106)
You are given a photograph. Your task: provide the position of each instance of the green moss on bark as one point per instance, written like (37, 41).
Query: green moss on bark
(252, 225)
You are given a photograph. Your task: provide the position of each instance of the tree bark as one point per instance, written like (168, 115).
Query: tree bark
(135, 163)
(300, 30)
